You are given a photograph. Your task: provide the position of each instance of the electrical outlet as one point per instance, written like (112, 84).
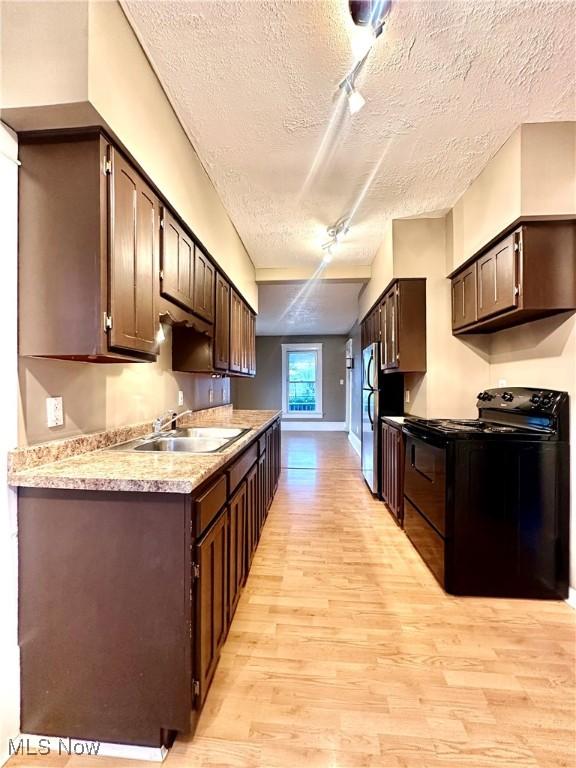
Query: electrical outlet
(407, 396)
(341, 382)
(54, 411)
(210, 395)
(501, 382)
(180, 397)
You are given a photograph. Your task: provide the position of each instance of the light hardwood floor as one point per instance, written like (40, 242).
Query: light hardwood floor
(345, 652)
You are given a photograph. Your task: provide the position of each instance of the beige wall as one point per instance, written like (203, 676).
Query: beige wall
(455, 371)
(533, 174)
(382, 272)
(265, 389)
(9, 649)
(78, 63)
(100, 397)
(85, 54)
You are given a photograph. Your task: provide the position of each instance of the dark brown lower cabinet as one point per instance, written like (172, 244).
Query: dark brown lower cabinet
(236, 547)
(252, 515)
(210, 607)
(262, 489)
(126, 598)
(392, 469)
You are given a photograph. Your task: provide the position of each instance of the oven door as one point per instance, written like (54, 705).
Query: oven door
(425, 478)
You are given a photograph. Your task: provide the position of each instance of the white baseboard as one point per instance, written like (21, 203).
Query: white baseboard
(61, 745)
(571, 597)
(313, 426)
(356, 444)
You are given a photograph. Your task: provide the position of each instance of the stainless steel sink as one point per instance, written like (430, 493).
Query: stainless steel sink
(188, 440)
(219, 432)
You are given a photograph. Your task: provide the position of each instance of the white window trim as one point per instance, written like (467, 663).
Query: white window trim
(318, 413)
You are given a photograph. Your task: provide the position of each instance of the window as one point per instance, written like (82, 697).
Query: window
(302, 380)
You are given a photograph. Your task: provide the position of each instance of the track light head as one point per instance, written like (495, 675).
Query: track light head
(355, 99)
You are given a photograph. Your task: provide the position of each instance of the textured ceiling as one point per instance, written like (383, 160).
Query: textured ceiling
(315, 307)
(254, 84)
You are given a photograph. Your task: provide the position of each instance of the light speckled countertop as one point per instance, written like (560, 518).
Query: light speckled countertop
(107, 470)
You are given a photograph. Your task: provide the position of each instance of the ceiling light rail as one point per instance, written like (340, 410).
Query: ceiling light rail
(369, 15)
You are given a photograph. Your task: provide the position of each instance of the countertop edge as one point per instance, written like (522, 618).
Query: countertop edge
(33, 478)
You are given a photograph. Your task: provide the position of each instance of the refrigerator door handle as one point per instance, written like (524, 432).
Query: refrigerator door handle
(370, 394)
(368, 380)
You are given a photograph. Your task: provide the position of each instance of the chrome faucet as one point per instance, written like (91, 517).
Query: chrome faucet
(169, 417)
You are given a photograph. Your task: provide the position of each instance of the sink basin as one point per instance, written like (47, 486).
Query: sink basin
(187, 440)
(184, 444)
(225, 432)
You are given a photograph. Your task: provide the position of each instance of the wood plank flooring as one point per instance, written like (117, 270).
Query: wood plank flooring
(344, 651)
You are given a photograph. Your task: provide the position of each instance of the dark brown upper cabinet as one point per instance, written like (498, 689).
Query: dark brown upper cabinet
(370, 327)
(235, 332)
(222, 324)
(498, 278)
(252, 345)
(204, 273)
(242, 337)
(403, 326)
(176, 262)
(88, 252)
(464, 289)
(527, 274)
(132, 264)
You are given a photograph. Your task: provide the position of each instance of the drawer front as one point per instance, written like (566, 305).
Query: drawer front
(261, 445)
(207, 506)
(427, 541)
(425, 480)
(240, 468)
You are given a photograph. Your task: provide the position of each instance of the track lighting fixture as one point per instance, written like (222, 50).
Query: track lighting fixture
(355, 99)
(370, 13)
(336, 233)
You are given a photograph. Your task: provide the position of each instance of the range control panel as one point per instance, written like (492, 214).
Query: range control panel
(522, 399)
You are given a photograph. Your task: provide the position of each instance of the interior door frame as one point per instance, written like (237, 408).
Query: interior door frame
(349, 372)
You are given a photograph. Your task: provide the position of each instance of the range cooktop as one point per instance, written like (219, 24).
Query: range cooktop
(470, 426)
(517, 412)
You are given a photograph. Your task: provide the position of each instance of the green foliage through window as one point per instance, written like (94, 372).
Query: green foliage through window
(302, 380)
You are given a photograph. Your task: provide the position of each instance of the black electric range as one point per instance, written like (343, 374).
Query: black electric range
(486, 501)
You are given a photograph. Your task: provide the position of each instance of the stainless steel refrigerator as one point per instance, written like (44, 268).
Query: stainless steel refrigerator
(382, 395)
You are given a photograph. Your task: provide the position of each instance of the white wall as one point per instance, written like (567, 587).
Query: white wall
(9, 652)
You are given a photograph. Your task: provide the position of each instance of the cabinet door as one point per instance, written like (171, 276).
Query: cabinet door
(252, 520)
(245, 366)
(252, 344)
(389, 330)
(498, 279)
(210, 625)
(203, 285)
(464, 298)
(235, 332)
(270, 467)
(384, 462)
(222, 324)
(262, 490)
(134, 223)
(236, 547)
(176, 262)
(277, 453)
